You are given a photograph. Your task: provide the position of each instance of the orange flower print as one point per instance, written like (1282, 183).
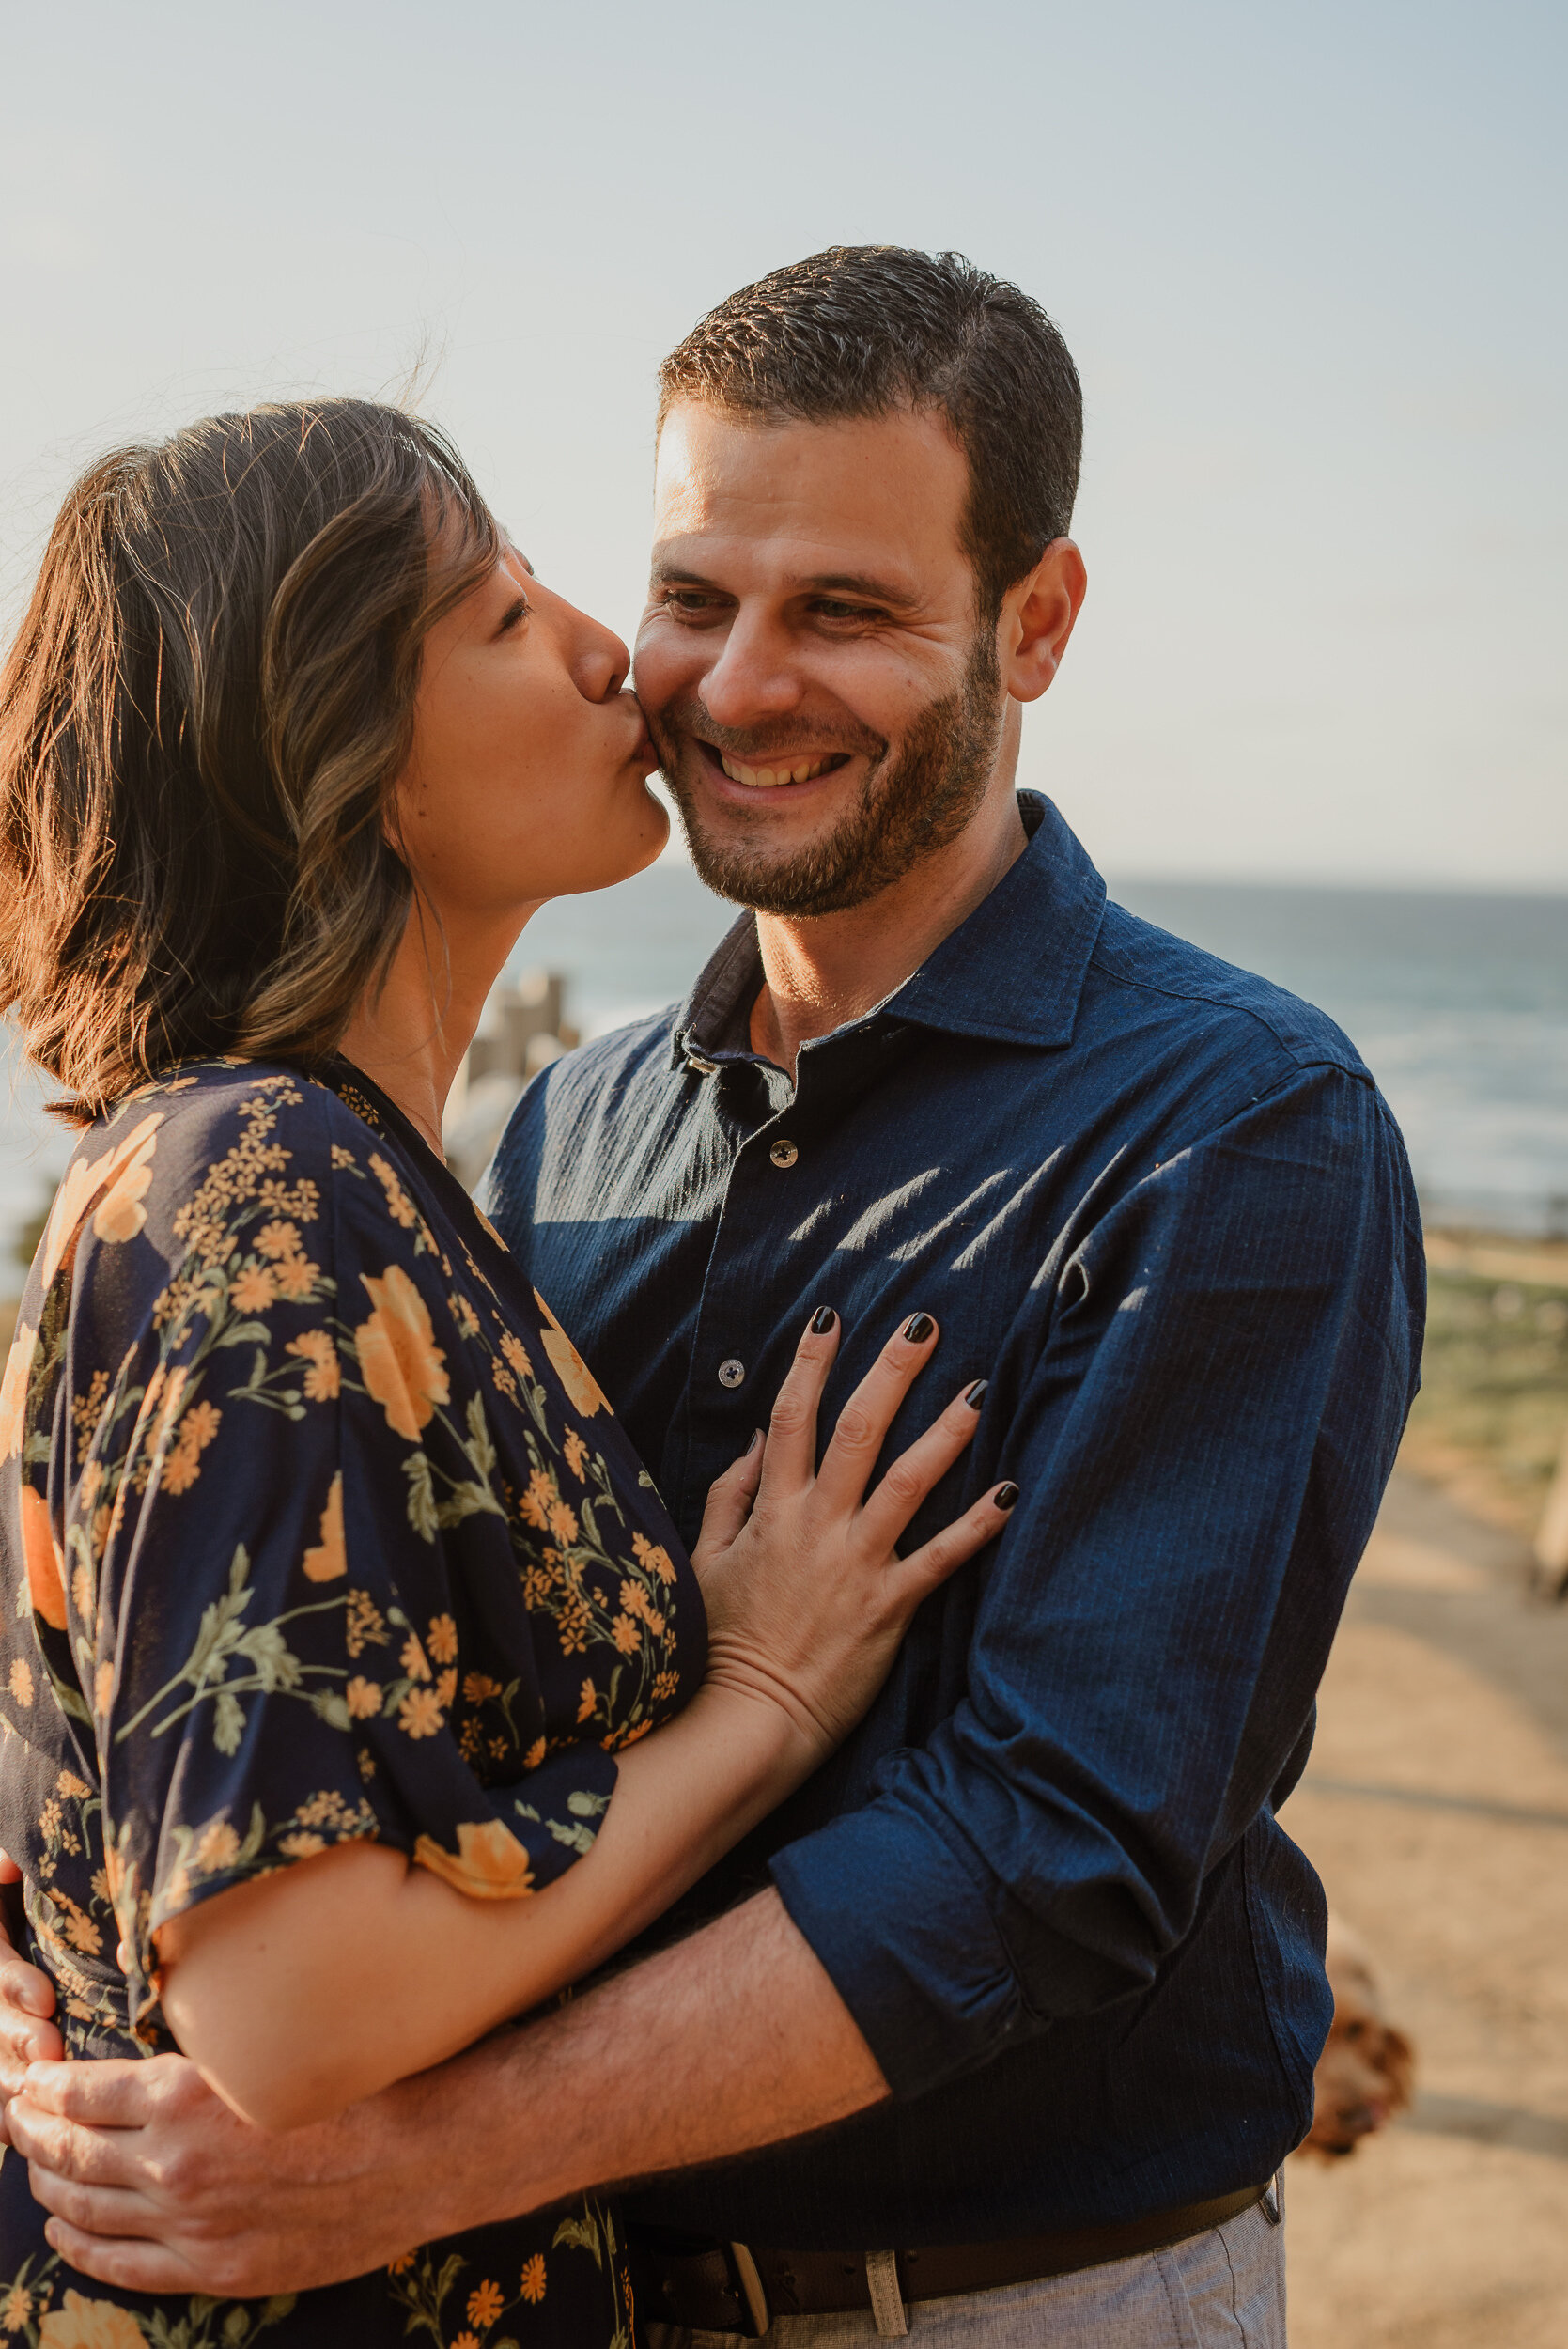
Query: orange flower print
(45, 1561)
(582, 1389)
(563, 1523)
(463, 1315)
(278, 1239)
(401, 1207)
(446, 1686)
(535, 1754)
(414, 1660)
(478, 1686)
(120, 1213)
(636, 1602)
(329, 1557)
(577, 1456)
(533, 2284)
(104, 1688)
(21, 1680)
(587, 1699)
(574, 1623)
(13, 1391)
(82, 1184)
(399, 1358)
(654, 1557)
(465, 2340)
(302, 1846)
(323, 1379)
(254, 1290)
(486, 2305)
(363, 1698)
(217, 1847)
(441, 1639)
(419, 1714)
(82, 2323)
(15, 2308)
(536, 1502)
(196, 1431)
(490, 1864)
(626, 1635)
(295, 1277)
(517, 1355)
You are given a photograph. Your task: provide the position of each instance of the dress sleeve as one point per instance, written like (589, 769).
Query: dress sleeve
(286, 1505)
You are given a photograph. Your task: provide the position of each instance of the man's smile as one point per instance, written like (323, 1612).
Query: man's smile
(782, 769)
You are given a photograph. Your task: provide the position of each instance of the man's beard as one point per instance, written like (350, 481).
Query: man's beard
(907, 805)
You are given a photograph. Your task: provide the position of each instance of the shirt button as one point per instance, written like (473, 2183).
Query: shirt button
(731, 1372)
(783, 1154)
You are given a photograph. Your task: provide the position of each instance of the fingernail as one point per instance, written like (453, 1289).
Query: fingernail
(918, 1329)
(823, 1320)
(756, 1439)
(975, 1395)
(1005, 1495)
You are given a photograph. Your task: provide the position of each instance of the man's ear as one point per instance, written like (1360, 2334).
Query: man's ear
(1036, 620)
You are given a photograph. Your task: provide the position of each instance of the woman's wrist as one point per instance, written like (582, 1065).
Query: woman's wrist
(764, 1739)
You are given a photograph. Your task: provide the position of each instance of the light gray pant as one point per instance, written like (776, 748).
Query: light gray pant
(1224, 2289)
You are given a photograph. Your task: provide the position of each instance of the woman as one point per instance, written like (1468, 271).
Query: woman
(355, 1701)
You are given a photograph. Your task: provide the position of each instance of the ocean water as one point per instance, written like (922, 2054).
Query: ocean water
(1458, 1003)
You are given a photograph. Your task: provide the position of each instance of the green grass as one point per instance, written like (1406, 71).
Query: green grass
(1495, 1382)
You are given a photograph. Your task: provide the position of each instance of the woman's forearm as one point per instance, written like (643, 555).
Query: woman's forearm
(309, 1989)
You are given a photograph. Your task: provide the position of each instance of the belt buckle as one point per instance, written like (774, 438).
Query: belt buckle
(750, 2289)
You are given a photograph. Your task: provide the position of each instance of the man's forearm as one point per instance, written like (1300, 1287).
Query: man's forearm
(733, 2039)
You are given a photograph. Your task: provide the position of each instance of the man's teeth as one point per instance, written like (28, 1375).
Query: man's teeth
(769, 778)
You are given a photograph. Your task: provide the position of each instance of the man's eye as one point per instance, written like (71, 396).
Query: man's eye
(829, 607)
(689, 599)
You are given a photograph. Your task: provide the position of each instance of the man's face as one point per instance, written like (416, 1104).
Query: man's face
(825, 707)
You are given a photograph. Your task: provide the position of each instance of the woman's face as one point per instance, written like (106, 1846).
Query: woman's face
(526, 778)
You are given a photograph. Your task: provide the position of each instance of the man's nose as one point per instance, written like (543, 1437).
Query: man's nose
(754, 675)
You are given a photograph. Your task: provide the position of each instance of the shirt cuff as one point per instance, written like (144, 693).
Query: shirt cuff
(904, 1929)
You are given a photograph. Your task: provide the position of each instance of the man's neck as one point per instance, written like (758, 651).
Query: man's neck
(823, 970)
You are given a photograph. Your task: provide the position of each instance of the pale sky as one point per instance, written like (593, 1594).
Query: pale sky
(1309, 261)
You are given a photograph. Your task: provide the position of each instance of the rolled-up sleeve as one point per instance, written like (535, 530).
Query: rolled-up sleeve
(1202, 1401)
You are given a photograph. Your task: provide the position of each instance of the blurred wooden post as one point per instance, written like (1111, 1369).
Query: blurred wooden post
(1551, 1538)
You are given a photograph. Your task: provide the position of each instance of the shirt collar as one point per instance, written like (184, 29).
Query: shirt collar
(1011, 972)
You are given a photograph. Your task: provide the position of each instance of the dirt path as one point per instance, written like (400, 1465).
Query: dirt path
(1436, 1812)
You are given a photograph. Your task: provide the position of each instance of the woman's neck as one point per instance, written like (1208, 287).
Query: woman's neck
(411, 1038)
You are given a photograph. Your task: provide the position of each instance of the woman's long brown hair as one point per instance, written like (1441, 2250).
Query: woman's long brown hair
(202, 720)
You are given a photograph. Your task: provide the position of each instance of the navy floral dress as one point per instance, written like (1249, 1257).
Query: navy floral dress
(315, 1527)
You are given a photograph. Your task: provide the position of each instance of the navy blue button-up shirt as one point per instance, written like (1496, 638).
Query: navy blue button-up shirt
(1161, 1206)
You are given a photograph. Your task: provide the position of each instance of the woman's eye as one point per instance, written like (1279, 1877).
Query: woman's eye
(516, 612)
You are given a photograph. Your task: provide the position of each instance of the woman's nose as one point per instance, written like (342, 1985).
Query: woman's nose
(602, 663)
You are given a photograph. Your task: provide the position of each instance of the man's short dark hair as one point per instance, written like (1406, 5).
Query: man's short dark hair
(860, 330)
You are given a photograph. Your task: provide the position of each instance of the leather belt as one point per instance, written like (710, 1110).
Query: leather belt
(739, 2288)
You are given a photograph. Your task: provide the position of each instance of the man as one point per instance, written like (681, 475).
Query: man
(1033, 1942)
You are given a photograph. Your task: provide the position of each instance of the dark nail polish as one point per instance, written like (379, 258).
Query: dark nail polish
(918, 1329)
(823, 1320)
(1005, 1496)
(975, 1395)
